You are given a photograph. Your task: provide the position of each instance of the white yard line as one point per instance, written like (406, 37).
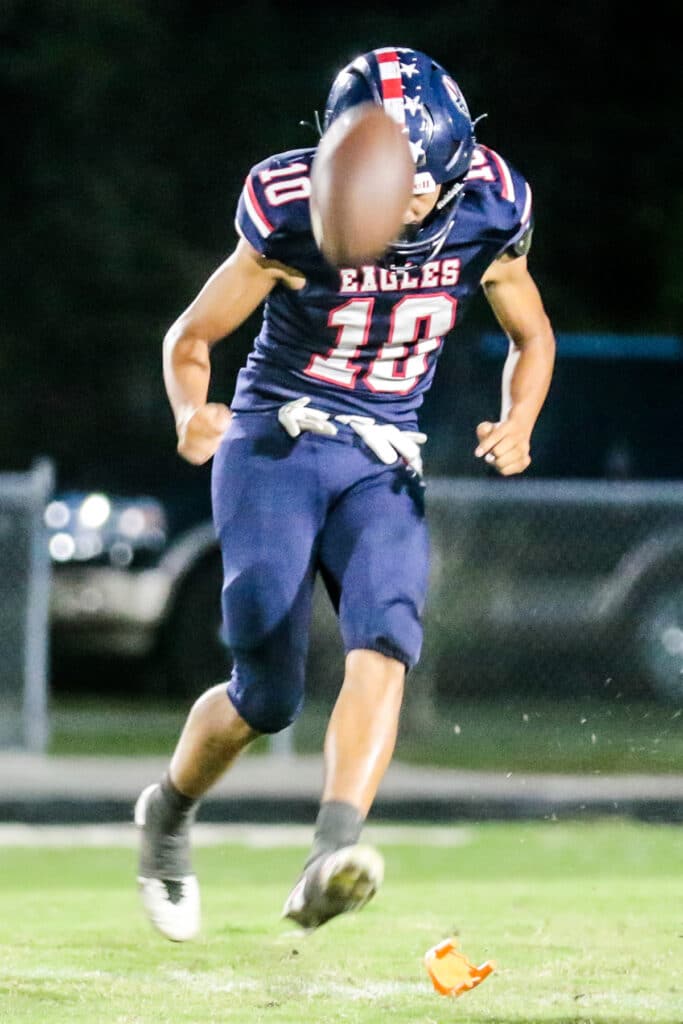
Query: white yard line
(215, 981)
(370, 990)
(254, 836)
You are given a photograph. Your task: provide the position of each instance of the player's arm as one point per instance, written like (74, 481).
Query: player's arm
(225, 301)
(516, 302)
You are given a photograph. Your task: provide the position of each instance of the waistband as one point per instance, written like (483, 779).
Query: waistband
(385, 440)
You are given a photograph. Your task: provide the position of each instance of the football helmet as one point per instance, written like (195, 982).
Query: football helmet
(420, 95)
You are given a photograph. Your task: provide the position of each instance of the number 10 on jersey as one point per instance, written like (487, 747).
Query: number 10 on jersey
(417, 325)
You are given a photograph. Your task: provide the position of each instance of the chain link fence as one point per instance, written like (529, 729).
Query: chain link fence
(546, 587)
(537, 585)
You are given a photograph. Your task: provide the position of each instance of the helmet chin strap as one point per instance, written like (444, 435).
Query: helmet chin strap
(451, 194)
(407, 246)
(396, 257)
(408, 233)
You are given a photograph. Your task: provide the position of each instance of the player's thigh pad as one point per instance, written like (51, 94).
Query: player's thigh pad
(375, 547)
(267, 512)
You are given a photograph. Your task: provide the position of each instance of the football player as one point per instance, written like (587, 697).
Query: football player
(317, 464)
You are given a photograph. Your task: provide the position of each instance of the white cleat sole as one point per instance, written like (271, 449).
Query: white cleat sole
(177, 919)
(345, 881)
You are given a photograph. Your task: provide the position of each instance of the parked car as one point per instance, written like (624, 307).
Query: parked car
(124, 587)
(524, 571)
(560, 579)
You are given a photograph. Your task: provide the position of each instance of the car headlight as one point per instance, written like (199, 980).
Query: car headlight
(102, 528)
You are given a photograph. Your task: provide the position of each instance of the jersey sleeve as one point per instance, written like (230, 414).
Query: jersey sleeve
(509, 200)
(274, 199)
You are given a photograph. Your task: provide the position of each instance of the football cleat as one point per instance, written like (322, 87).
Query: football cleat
(170, 895)
(335, 883)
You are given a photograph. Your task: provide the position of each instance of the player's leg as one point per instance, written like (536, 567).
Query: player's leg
(266, 599)
(375, 556)
(340, 874)
(213, 735)
(361, 734)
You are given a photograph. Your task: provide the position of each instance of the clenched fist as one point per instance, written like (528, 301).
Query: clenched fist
(504, 445)
(201, 432)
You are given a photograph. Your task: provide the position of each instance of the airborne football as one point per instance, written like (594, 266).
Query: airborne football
(361, 184)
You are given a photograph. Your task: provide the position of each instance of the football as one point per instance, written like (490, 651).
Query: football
(361, 183)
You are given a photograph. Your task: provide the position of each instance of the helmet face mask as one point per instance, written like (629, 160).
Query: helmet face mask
(421, 96)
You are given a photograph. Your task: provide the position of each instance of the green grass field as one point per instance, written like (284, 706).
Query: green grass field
(585, 922)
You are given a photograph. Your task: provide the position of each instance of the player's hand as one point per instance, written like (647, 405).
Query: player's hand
(201, 432)
(504, 445)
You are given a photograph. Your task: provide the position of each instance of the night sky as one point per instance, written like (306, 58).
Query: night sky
(130, 128)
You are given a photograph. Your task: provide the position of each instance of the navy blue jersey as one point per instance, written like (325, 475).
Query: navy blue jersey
(365, 340)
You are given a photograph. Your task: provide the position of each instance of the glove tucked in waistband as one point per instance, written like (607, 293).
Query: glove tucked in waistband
(387, 442)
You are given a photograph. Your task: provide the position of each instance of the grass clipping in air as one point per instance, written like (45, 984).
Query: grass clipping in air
(583, 920)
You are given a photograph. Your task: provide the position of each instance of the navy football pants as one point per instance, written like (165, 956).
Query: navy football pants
(287, 508)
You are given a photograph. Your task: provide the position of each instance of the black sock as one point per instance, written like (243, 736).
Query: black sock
(165, 849)
(338, 824)
(173, 810)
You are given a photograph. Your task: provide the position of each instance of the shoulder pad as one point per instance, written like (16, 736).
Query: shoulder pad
(275, 197)
(522, 244)
(507, 197)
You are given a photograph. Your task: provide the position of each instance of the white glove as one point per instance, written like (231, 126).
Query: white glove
(295, 417)
(388, 442)
(407, 444)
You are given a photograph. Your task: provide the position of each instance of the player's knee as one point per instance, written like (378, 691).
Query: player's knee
(267, 710)
(268, 696)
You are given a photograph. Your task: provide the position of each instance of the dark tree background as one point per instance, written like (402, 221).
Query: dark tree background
(129, 128)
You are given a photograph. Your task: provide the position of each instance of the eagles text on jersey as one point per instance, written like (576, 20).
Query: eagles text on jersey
(366, 340)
